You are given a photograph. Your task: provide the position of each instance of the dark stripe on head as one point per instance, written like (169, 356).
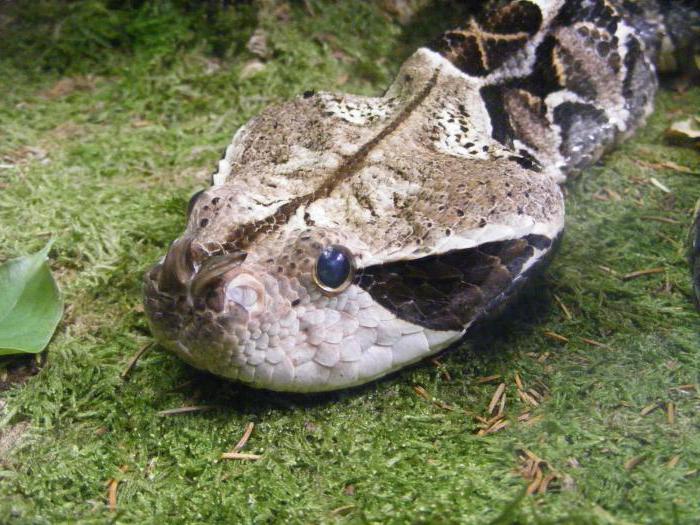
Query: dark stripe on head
(448, 291)
(245, 234)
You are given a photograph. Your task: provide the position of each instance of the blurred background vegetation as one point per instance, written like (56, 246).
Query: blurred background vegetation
(74, 36)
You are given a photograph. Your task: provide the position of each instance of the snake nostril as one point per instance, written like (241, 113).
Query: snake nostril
(213, 271)
(243, 295)
(247, 292)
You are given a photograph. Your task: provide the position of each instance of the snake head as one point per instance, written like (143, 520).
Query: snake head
(289, 315)
(344, 238)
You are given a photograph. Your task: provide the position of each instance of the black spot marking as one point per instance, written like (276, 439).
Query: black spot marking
(541, 242)
(615, 61)
(528, 162)
(498, 51)
(514, 18)
(544, 78)
(603, 48)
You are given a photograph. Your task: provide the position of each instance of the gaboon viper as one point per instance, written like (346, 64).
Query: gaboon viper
(345, 237)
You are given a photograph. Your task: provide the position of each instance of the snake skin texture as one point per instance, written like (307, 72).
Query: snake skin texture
(443, 193)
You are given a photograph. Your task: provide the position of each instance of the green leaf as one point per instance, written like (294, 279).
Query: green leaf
(30, 304)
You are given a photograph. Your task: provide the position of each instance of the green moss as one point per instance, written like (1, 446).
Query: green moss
(113, 163)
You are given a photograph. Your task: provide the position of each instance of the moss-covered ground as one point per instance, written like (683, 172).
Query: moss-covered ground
(111, 118)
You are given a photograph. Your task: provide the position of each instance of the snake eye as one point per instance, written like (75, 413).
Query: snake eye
(334, 269)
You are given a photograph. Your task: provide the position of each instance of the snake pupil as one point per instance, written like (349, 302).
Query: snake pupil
(333, 268)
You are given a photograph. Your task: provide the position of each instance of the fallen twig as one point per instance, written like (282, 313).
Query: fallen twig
(670, 412)
(422, 392)
(241, 456)
(527, 398)
(186, 410)
(524, 416)
(555, 336)
(649, 409)
(246, 436)
(667, 220)
(499, 425)
(132, 362)
(442, 369)
(686, 389)
(112, 486)
(496, 397)
(342, 510)
(502, 406)
(659, 185)
(607, 270)
(593, 342)
(563, 307)
(487, 379)
(518, 381)
(642, 273)
(633, 462)
(532, 471)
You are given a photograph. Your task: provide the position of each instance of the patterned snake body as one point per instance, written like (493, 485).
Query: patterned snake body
(345, 237)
